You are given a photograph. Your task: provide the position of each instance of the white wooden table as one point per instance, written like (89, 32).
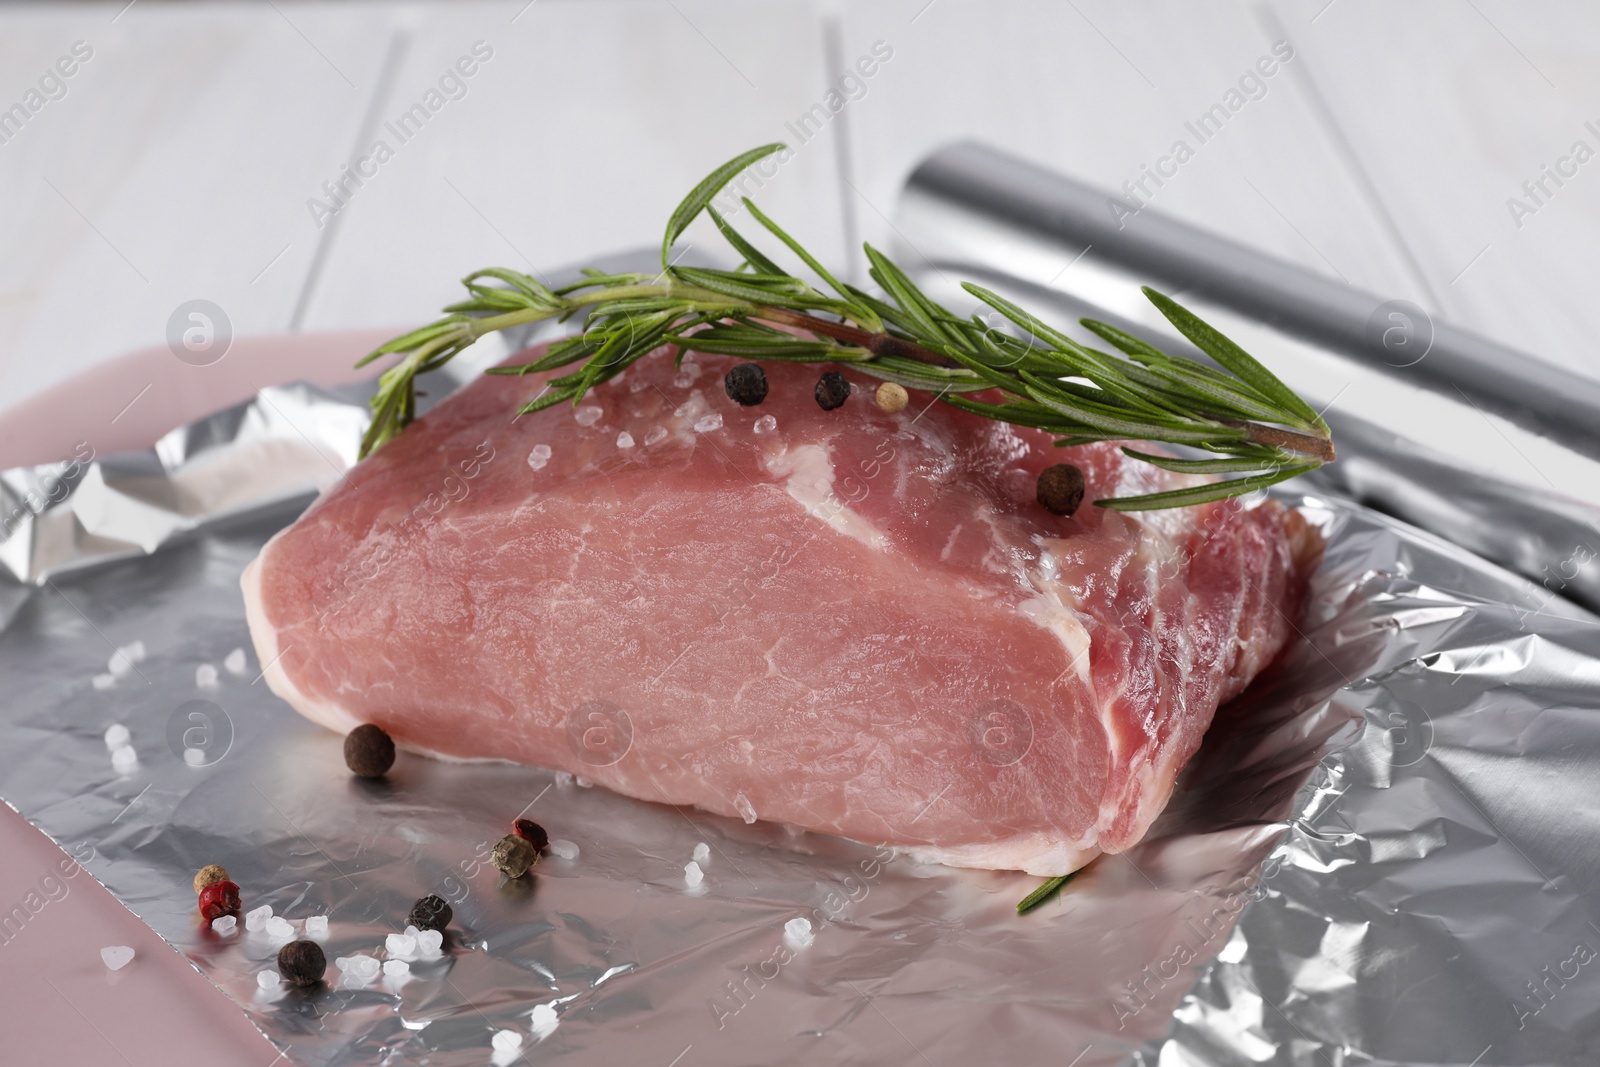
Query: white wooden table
(1445, 151)
(181, 161)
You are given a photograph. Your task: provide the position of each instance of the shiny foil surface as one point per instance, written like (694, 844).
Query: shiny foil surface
(1384, 853)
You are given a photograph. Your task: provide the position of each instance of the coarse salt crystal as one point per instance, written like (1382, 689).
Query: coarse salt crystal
(234, 661)
(656, 435)
(567, 850)
(707, 423)
(765, 424)
(545, 1017)
(396, 969)
(702, 853)
(798, 930)
(583, 783)
(624, 439)
(194, 757)
(506, 1041)
(268, 980)
(429, 942)
(342, 962)
(563, 779)
(124, 759)
(365, 968)
(256, 918)
(224, 924)
(317, 926)
(279, 927)
(116, 957)
(587, 415)
(682, 380)
(205, 676)
(692, 407)
(400, 944)
(539, 457)
(692, 874)
(117, 735)
(638, 385)
(746, 810)
(123, 659)
(103, 681)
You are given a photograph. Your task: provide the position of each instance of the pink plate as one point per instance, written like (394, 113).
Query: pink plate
(60, 1002)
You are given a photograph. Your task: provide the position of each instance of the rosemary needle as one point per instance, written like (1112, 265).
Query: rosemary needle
(1250, 422)
(1044, 893)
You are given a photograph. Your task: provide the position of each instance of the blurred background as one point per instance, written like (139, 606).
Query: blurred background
(303, 167)
(1434, 151)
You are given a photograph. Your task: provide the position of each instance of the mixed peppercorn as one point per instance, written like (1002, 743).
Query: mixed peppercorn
(369, 753)
(1059, 488)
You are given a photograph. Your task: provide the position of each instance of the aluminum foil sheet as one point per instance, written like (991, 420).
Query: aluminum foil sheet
(1382, 854)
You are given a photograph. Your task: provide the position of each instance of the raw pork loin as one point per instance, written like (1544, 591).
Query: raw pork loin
(849, 621)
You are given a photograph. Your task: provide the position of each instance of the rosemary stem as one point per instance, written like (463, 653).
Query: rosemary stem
(879, 344)
(1305, 444)
(476, 328)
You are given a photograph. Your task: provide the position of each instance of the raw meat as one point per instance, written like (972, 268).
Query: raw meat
(849, 621)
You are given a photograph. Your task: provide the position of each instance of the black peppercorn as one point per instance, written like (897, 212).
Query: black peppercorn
(746, 384)
(514, 856)
(302, 963)
(1060, 488)
(532, 833)
(431, 912)
(832, 390)
(368, 751)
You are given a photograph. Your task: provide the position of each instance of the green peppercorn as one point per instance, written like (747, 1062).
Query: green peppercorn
(514, 855)
(210, 874)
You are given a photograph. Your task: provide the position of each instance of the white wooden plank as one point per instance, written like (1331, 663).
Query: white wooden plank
(577, 138)
(1101, 91)
(175, 167)
(1451, 108)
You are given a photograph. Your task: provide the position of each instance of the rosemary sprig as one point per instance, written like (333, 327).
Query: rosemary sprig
(1253, 425)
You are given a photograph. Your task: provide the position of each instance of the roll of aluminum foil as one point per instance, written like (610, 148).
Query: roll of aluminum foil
(1406, 393)
(1380, 855)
